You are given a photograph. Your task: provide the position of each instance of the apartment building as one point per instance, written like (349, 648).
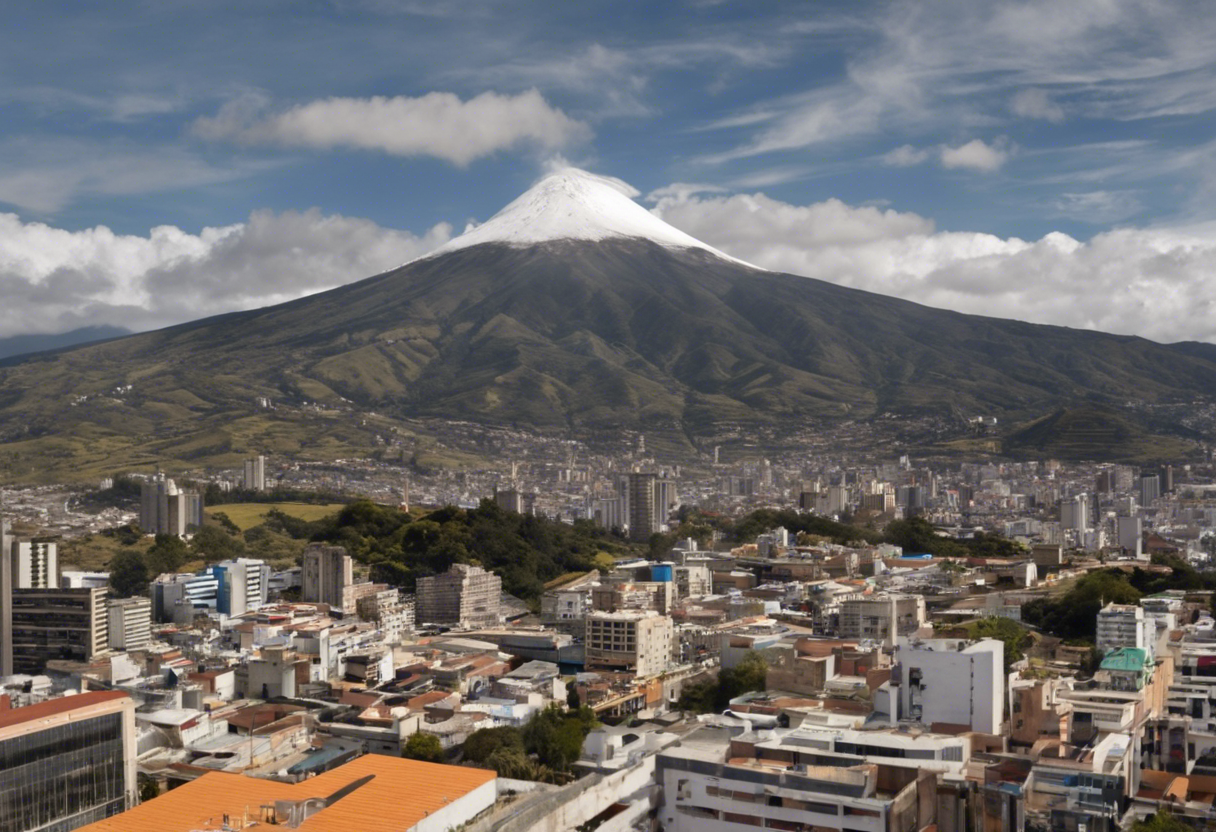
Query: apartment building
(57, 624)
(327, 572)
(637, 641)
(465, 595)
(870, 617)
(130, 623)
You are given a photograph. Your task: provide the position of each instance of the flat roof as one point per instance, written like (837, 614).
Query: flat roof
(55, 707)
(401, 793)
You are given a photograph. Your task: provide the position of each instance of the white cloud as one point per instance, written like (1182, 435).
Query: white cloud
(975, 155)
(1159, 283)
(437, 124)
(54, 280)
(905, 156)
(1036, 103)
(1098, 207)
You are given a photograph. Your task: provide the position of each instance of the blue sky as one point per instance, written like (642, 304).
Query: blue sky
(943, 151)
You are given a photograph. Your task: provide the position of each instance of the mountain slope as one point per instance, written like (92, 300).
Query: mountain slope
(25, 344)
(534, 325)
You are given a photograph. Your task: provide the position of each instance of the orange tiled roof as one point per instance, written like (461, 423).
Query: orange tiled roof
(54, 707)
(401, 794)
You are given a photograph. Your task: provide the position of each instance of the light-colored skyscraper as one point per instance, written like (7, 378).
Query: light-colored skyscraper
(242, 585)
(1150, 489)
(130, 623)
(328, 570)
(255, 474)
(166, 509)
(35, 563)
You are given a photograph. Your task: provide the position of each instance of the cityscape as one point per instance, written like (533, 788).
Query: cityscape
(420, 416)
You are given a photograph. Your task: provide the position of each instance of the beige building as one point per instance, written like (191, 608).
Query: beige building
(637, 641)
(327, 572)
(57, 624)
(870, 617)
(465, 595)
(130, 623)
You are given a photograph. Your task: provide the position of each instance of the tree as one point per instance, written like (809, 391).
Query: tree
(573, 702)
(167, 554)
(484, 743)
(750, 674)
(1162, 821)
(1007, 630)
(128, 575)
(214, 544)
(425, 747)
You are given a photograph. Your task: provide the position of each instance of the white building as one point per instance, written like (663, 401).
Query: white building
(242, 585)
(1130, 531)
(255, 474)
(130, 623)
(1124, 625)
(952, 682)
(35, 563)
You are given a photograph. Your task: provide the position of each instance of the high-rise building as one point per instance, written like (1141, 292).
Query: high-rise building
(1131, 534)
(242, 585)
(67, 762)
(666, 498)
(643, 513)
(6, 597)
(130, 623)
(465, 595)
(179, 598)
(328, 570)
(1150, 489)
(928, 689)
(57, 624)
(35, 563)
(166, 509)
(1124, 625)
(255, 474)
(1074, 513)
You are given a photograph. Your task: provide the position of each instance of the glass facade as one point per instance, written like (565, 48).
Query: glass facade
(62, 778)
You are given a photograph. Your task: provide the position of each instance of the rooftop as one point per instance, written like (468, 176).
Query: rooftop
(401, 793)
(55, 707)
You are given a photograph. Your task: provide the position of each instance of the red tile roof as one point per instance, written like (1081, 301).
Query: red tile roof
(54, 707)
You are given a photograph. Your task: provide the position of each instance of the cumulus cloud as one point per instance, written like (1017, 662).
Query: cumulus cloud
(905, 156)
(1159, 283)
(54, 280)
(1036, 103)
(976, 155)
(437, 124)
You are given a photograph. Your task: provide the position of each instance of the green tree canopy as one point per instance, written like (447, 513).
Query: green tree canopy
(425, 747)
(167, 554)
(128, 574)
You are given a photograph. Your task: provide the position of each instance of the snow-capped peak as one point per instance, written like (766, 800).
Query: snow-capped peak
(572, 204)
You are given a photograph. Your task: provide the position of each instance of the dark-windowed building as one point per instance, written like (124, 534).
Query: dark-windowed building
(67, 762)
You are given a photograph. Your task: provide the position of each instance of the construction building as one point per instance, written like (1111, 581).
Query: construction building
(57, 624)
(130, 623)
(328, 571)
(635, 641)
(67, 762)
(467, 596)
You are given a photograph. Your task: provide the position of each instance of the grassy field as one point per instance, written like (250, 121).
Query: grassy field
(248, 515)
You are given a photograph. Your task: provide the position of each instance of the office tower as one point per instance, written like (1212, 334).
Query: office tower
(242, 585)
(179, 598)
(643, 513)
(67, 762)
(509, 500)
(634, 641)
(57, 624)
(1106, 481)
(467, 596)
(1130, 532)
(130, 623)
(255, 474)
(166, 509)
(328, 570)
(1074, 513)
(6, 597)
(35, 563)
(1124, 625)
(665, 498)
(1150, 489)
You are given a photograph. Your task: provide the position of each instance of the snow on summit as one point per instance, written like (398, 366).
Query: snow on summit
(572, 204)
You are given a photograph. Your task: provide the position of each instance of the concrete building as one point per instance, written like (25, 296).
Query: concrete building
(465, 595)
(953, 683)
(57, 624)
(36, 563)
(179, 598)
(390, 611)
(1130, 531)
(1124, 625)
(6, 597)
(1074, 513)
(328, 571)
(67, 762)
(166, 509)
(255, 474)
(130, 623)
(242, 585)
(1150, 489)
(636, 641)
(870, 617)
(643, 512)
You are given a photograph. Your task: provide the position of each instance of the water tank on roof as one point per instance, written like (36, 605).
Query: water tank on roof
(661, 572)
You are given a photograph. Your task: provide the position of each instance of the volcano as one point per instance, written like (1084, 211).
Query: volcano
(573, 308)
